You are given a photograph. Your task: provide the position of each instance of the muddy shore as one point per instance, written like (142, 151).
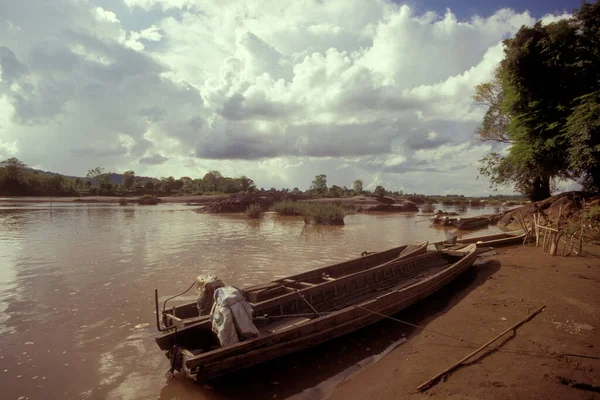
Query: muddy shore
(512, 284)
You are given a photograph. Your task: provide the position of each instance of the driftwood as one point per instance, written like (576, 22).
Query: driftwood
(426, 385)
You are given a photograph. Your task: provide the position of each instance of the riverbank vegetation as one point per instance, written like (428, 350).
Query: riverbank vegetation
(17, 179)
(254, 211)
(313, 213)
(544, 107)
(148, 200)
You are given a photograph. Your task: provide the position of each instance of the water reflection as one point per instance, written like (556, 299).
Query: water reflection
(76, 285)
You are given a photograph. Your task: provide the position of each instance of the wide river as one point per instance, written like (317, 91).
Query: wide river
(77, 293)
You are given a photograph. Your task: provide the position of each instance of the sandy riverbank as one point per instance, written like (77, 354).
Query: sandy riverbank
(512, 284)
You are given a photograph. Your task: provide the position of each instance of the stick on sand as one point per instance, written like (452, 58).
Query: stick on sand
(426, 385)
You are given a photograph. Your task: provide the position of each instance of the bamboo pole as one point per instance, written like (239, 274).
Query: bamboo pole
(554, 246)
(536, 221)
(426, 385)
(581, 240)
(546, 228)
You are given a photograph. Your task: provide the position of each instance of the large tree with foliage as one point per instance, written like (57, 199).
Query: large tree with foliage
(319, 184)
(13, 168)
(357, 186)
(544, 104)
(128, 179)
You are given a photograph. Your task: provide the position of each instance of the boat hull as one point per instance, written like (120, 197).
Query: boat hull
(325, 327)
(498, 240)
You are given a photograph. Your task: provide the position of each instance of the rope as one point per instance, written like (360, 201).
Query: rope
(415, 326)
(307, 302)
(177, 295)
(519, 351)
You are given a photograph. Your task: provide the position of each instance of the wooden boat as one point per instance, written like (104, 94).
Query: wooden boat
(471, 223)
(308, 316)
(187, 314)
(496, 240)
(442, 220)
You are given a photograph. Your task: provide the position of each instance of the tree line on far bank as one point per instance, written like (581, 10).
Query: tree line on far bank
(544, 103)
(16, 179)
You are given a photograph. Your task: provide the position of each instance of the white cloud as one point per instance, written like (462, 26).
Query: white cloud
(277, 91)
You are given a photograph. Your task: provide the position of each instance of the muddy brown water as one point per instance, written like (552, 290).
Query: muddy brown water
(77, 294)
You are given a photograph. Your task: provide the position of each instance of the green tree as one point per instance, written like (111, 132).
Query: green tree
(319, 184)
(336, 191)
(13, 168)
(100, 177)
(211, 180)
(379, 191)
(530, 106)
(358, 186)
(247, 184)
(496, 120)
(128, 179)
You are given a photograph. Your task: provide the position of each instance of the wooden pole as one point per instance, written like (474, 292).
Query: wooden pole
(581, 241)
(554, 245)
(521, 221)
(426, 385)
(536, 222)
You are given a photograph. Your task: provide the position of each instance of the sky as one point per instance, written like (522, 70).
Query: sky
(276, 90)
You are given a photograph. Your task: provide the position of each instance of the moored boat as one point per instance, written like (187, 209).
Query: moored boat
(442, 220)
(308, 316)
(187, 314)
(496, 240)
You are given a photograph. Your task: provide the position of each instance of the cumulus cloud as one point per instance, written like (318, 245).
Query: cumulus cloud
(280, 93)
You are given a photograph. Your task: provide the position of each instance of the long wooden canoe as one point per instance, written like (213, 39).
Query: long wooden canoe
(309, 316)
(496, 240)
(187, 314)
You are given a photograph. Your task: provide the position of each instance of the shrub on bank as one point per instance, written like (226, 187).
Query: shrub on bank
(427, 208)
(122, 201)
(287, 208)
(254, 211)
(313, 213)
(324, 214)
(148, 199)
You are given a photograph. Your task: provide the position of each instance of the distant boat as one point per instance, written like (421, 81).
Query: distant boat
(470, 223)
(442, 220)
(306, 312)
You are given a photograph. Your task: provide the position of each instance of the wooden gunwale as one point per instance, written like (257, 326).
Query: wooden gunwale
(254, 292)
(277, 305)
